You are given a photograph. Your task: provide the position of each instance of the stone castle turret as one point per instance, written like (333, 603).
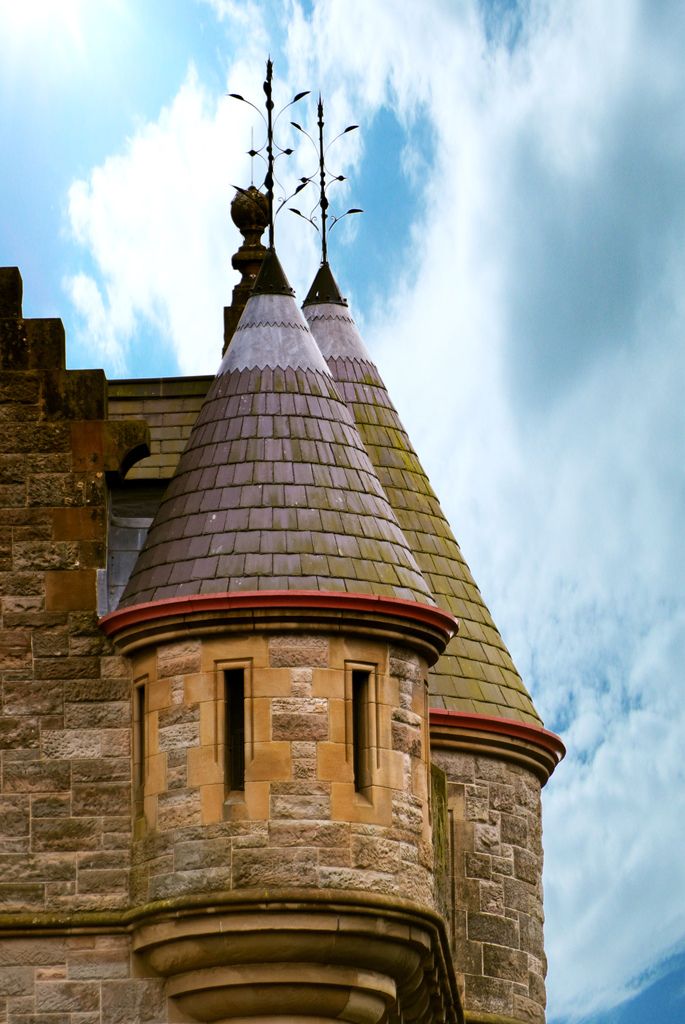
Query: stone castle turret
(485, 733)
(292, 774)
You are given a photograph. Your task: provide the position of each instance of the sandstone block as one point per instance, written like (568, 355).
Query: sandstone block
(201, 854)
(298, 651)
(45, 555)
(102, 798)
(70, 590)
(67, 996)
(477, 804)
(179, 736)
(528, 1010)
(491, 898)
(527, 866)
(532, 939)
(141, 1000)
(16, 981)
(178, 809)
(32, 698)
(115, 742)
(261, 868)
(15, 649)
(304, 806)
(313, 834)
(97, 715)
(103, 882)
(477, 865)
(52, 805)
(179, 659)
(70, 834)
(36, 776)
(486, 838)
(519, 895)
(67, 668)
(514, 830)
(494, 929)
(72, 743)
(51, 642)
(109, 769)
(19, 733)
(98, 964)
(510, 964)
(378, 854)
(296, 726)
(491, 995)
(32, 952)
(21, 896)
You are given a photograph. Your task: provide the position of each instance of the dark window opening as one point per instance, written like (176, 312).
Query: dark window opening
(234, 725)
(139, 739)
(361, 745)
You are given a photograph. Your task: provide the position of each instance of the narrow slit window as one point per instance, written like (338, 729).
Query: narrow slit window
(361, 739)
(234, 727)
(139, 752)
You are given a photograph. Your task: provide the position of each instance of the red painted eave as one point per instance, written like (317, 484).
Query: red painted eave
(535, 734)
(428, 615)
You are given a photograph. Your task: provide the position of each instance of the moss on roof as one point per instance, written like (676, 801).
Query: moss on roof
(275, 491)
(476, 672)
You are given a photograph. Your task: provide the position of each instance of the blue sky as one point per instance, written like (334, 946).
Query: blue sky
(519, 276)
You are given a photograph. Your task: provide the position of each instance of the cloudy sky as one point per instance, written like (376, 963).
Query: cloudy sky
(519, 274)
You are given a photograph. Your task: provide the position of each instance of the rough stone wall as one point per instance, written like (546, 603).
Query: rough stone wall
(497, 939)
(65, 811)
(299, 822)
(77, 979)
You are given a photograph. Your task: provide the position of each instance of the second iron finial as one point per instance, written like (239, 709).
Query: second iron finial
(326, 179)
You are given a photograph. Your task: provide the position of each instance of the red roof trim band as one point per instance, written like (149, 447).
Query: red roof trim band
(120, 619)
(504, 726)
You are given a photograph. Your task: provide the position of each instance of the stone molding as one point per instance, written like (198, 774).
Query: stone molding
(424, 627)
(390, 950)
(292, 958)
(529, 746)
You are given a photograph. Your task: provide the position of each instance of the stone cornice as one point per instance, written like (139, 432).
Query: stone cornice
(210, 933)
(530, 746)
(421, 626)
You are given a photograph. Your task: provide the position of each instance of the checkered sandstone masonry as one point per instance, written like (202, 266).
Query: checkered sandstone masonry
(299, 822)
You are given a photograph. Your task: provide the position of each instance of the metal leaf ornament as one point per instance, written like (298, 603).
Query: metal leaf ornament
(270, 151)
(326, 179)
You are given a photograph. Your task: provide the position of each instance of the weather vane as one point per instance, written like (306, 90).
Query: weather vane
(326, 179)
(273, 150)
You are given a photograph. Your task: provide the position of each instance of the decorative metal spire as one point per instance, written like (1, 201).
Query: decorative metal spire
(273, 150)
(326, 179)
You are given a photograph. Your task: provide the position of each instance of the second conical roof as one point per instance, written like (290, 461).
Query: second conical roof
(476, 672)
(275, 490)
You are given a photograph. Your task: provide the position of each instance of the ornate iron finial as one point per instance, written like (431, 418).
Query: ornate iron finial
(273, 150)
(326, 179)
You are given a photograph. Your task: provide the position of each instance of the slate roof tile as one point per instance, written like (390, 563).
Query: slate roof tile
(477, 654)
(305, 533)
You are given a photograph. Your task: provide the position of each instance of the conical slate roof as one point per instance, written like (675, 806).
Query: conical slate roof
(275, 490)
(476, 672)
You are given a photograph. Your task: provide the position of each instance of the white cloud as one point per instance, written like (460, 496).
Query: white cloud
(541, 313)
(155, 221)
